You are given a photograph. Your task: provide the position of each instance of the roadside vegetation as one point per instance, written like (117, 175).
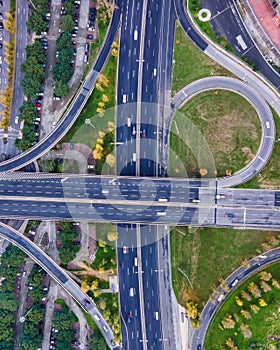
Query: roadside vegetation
(37, 21)
(195, 7)
(95, 126)
(67, 250)
(6, 94)
(249, 318)
(230, 126)
(208, 255)
(32, 333)
(10, 262)
(197, 65)
(62, 323)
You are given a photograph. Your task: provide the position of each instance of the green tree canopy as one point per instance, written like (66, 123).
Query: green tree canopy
(67, 23)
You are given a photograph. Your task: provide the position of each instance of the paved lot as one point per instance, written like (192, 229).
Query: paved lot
(265, 13)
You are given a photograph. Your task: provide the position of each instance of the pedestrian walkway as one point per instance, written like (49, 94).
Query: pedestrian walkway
(265, 14)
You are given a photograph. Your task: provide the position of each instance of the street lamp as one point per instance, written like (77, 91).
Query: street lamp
(88, 122)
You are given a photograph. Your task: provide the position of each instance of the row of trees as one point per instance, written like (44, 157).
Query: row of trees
(37, 21)
(11, 259)
(6, 94)
(62, 321)
(33, 69)
(63, 71)
(104, 147)
(67, 235)
(31, 84)
(31, 337)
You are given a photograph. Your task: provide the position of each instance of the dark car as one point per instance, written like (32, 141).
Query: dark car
(144, 133)
(89, 36)
(1, 3)
(76, 15)
(1, 45)
(1, 25)
(1, 15)
(199, 347)
(229, 215)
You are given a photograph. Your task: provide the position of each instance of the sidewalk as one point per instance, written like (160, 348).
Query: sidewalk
(265, 14)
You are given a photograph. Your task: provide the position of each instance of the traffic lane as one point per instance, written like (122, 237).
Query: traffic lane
(245, 197)
(128, 278)
(150, 287)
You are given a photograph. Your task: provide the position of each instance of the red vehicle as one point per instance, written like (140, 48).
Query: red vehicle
(39, 112)
(38, 104)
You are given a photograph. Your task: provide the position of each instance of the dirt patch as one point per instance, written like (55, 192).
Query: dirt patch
(221, 130)
(247, 152)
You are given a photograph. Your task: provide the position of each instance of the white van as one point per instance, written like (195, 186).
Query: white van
(156, 315)
(267, 124)
(105, 192)
(162, 200)
(155, 72)
(131, 292)
(124, 98)
(129, 122)
(196, 201)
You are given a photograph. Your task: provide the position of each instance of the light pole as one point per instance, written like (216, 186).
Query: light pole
(88, 122)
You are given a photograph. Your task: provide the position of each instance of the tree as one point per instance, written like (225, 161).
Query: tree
(245, 330)
(254, 308)
(8, 301)
(265, 276)
(35, 50)
(275, 284)
(27, 111)
(50, 166)
(64, 41)
(230, 344)
(228, 322)
(30, 86)
(61, 88)
(265, 286)
(262, 302)
(112, 236)
(246, 295)
(94, 284)
(85, 287)
(63, 319)
(110, 160)
(238, 301)
(35, 315)
(97, 342)
(69, 8)
(37, 23)
(245, 313)
(191, 308)
(254, 290)
(67, 23)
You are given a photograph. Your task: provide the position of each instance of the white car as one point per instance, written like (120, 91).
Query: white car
(1, 59)
(16, 119)
(125, 249)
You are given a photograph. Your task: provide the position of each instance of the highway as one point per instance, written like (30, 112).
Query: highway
(124, 199)
(241, 274)
(61, 277)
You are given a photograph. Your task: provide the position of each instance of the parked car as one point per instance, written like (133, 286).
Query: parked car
(1, 25)
(1, 15)
(1, 59)
(89, 36)
(16, 119)
(1, 3)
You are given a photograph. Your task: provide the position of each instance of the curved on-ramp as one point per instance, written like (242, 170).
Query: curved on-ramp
(239, 276)
(61, 277)
(263, 111)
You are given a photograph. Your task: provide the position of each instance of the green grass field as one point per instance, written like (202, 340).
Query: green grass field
(264, 325)
(190, 63)
(207, 255)
(230, 126)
